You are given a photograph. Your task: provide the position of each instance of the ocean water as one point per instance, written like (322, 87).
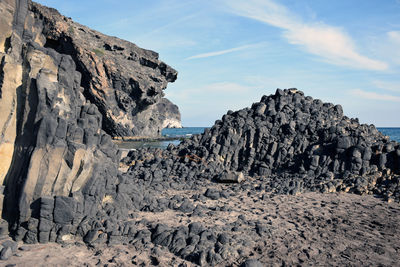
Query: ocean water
(182, 132)
(393, 133)
(179, 133)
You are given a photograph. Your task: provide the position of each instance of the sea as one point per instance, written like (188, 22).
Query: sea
(174, 135)
(179, 133)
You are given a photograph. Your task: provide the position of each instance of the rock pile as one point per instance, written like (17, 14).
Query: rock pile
(288, 132)
(288, 135)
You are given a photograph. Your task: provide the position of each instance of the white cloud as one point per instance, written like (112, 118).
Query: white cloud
(390, 86)
(394, 36)
(374, 96)
(330, 43)
(223, 52)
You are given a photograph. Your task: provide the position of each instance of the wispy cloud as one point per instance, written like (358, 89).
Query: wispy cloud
(374, 96)
(328, 42)
(390, 86)
(169, 25)
(226, 87)
(229, 89)
(223, 52)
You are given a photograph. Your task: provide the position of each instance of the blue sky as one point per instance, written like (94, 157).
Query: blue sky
(231, 52)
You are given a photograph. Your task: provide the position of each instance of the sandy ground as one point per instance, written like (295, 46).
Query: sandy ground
(308, 229)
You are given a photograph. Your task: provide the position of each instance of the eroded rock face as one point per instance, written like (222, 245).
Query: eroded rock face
(57, 163)
(59, 96)
(125, 82)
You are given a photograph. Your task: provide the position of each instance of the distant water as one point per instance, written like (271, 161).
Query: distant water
(182, 132)
(179, 133)
(393, 133)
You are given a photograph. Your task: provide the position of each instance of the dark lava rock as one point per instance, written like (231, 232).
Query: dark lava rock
(230, 177)
(64, 210)
(300, 144)
(252, 263)
(131, 79)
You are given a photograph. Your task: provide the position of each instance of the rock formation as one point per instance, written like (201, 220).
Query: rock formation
(289, 134)
(63, 87)
(52, 142)
(125, 82)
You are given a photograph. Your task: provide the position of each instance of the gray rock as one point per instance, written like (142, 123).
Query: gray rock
(230, 177)
(6, 253)
(64, 210)
(10, 244)
(252, 263)
(212, 193)
(24, 248)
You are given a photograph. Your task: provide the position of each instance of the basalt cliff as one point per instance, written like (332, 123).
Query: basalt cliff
(252, 190)
(64, 91)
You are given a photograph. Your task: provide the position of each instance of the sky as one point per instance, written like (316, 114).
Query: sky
(229, 53)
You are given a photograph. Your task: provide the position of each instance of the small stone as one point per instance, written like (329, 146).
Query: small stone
(230, 177)
(24, 248)
(5, 253)
(11, 244)
(212, 193)
(252, 263)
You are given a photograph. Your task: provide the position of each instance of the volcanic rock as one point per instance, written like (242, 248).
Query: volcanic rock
(301, 144)
(124, 81)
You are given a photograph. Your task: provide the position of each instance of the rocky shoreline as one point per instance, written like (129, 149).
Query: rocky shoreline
(288, 181)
